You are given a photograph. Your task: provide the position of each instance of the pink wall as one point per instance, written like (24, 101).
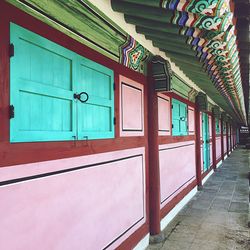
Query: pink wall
(202, 165)
(164, 112)
(90, 201)
(191, 119)
(225, 143)
(131, 107)
(176, 172)
(210, 126)
(211, 154)
(218, 148)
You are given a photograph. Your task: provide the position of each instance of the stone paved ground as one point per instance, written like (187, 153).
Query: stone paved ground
(217, 217)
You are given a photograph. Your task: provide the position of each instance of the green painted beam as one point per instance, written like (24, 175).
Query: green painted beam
(138, 10)
(177, 49)
(169, 41)
(84, 24)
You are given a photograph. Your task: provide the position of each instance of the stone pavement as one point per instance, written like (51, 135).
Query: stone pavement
(217, 217)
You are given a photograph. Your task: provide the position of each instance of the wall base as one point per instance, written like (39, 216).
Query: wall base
(170, 216)
(219, 164)
(143, 244)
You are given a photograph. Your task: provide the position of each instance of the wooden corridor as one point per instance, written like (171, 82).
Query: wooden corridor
(216, 218)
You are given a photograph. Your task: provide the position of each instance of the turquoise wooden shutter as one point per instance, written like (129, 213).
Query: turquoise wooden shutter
(96, 116)
(175, 117)
(41, 89)
(179, 118)
(183, 119)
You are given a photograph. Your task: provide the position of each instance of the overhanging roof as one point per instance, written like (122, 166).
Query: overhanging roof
(199, 36)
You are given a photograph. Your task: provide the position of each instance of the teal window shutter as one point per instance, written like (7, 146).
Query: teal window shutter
(179, 118)
(96, 116)
(175, 117)
(44, 79)
(41, 89)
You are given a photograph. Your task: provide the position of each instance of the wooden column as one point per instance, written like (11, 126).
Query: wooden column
(198, 146)
(222, 139)
(154, 170)
(213, 142)
(227, 136)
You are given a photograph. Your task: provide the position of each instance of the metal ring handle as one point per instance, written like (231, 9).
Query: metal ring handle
(78, 96)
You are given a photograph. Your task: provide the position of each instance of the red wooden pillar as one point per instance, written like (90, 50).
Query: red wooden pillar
(213, 142)
(227, 136)
(154, 170)
(231, 141)
(222, 139)
(198, 146)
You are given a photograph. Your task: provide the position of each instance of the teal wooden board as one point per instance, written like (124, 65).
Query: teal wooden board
(179, 118)
(44, 78)
(205, 138)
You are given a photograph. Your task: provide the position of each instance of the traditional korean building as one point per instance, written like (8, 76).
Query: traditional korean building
(112, 115)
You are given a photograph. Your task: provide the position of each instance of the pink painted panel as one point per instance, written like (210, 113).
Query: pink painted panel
(82, 209)
(211, 154)
(210, 125)
(23, 170)
(164, 114)
(191, 118)
(201, 125)
(202, 163)
(225, 143)
(176, 172)
(131, 107)
(218, 148)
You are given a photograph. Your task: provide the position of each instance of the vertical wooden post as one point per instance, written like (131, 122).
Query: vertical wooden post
(154, 170)
(198, 146)
(227, 136)
(222, 139)
(213, 142)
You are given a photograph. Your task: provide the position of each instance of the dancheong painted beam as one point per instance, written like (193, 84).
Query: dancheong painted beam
(206, 30)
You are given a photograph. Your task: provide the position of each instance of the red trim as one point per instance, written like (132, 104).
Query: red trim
(153, 149)
(171, 204)
(198, 146)
(182, 99)
(222, 140)
(213, 142)
(175, 139)
(133, 239)
(227, 135)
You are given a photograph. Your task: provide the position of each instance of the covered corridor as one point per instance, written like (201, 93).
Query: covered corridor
(120, 124)
(217, 216)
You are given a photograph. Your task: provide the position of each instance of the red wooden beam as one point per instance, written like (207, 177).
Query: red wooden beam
(213, 142)
(222, 139)
(198, 147)
(227, 135)
(154, 169)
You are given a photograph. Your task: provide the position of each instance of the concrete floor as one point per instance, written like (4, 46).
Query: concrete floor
(217, 217)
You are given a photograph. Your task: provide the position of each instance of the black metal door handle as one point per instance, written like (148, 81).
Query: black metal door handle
(78, 96)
